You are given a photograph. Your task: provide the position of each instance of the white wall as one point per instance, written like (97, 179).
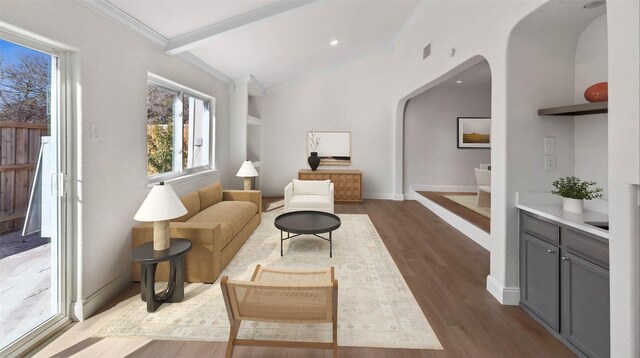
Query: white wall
(353, 97)
(624, 176)
(109, 69)
(431, 156)
(591, 131)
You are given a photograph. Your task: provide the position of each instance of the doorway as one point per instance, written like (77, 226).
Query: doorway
(447, 148)
(32, 209)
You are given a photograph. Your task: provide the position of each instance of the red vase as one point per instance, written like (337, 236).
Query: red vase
(598, 92)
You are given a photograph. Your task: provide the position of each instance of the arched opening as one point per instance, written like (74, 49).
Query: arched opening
(438, 152)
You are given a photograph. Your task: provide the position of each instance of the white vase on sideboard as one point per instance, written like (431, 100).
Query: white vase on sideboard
(573, 205)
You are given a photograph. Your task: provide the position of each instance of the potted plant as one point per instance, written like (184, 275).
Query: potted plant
(573, 191)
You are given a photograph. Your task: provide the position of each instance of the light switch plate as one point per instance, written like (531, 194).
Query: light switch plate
(549, 145)
(549, 163)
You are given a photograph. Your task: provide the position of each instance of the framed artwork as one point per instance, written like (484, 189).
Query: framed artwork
(333, 147)
(474, 132)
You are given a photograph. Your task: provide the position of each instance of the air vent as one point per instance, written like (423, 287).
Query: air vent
(426, 52)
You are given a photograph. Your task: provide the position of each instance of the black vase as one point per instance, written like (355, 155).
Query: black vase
(314, 161)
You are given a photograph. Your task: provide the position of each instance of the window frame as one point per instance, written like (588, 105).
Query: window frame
(156, 80)
(67, 245)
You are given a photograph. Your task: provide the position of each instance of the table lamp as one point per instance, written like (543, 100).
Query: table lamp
(247, 171)
(161, 205)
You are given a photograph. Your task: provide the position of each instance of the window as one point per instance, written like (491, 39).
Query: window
(178, 130)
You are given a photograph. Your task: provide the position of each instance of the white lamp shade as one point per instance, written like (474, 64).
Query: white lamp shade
(162, 203)
(247, 170)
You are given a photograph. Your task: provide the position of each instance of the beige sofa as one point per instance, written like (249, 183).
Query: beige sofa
(218, 222)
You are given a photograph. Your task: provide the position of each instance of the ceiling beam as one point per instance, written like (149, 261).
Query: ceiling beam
(198, 37)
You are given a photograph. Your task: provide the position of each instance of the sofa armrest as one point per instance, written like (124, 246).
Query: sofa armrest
(254, 196)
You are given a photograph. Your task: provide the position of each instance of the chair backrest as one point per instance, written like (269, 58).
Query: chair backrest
(485, 166)
(483, 177)
(311, 187)
(280, 302)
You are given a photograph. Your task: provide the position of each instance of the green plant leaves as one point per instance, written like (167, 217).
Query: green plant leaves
(576, 188)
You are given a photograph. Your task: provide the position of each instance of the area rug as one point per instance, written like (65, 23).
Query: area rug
(376, 307)
(275, 205)
(469, 202)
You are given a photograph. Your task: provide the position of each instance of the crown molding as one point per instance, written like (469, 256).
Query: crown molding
(190, 58)
(114, 13)
(255, 87)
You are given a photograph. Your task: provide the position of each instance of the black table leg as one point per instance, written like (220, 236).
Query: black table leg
(281, 240)
(178, 281)
(143, 280)
(150, 278)
(330, 244)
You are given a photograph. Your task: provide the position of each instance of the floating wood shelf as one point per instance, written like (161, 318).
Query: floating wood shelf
(576, 110)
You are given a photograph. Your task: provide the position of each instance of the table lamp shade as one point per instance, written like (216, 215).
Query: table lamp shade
(162, 203)
(247, 170)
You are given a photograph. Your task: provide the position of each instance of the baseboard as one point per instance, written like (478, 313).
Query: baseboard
(83, 310)
(444, 188)
(398, 197)
(378, 196)
(471, 231)
(504, 295)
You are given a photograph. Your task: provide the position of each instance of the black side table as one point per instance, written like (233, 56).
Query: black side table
(149, 259)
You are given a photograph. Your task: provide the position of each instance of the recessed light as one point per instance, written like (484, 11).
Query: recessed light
(458, 81)
(593, 4)
(334, 43)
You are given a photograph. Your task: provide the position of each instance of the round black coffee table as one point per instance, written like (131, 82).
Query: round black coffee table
(307, 223)
(149, 260)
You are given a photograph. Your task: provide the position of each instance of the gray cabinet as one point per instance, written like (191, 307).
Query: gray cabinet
(564, 283)
(585, 305)
(540, 288)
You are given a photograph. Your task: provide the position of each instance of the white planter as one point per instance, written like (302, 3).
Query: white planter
(572, 205)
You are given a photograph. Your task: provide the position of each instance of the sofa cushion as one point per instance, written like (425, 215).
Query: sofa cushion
(209, 195)
(232, 216)
(190, 201)
(311, 187)
(309, 201)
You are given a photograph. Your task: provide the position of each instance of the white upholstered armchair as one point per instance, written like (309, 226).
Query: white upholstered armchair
(316, 195)
(483, 177)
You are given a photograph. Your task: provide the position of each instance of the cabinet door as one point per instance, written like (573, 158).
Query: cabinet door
(540, 279)
(585, 305)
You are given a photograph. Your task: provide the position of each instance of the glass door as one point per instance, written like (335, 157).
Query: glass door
(32, 249)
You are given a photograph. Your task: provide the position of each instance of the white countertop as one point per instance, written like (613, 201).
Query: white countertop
(550, 206)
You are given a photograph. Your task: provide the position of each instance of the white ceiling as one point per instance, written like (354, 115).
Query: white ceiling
(281, 46)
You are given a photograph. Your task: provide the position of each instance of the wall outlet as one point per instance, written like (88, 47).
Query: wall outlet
(549, 163)
(549, 145)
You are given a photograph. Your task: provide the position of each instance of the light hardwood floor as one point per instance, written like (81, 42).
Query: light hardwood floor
(445, 271)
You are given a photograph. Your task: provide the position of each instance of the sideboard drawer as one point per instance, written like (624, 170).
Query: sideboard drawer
(347, 184)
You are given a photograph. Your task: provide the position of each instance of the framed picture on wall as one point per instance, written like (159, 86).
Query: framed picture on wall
(474, 132)
(333, 147)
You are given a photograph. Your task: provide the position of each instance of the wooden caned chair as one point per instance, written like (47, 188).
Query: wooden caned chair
(282, 296)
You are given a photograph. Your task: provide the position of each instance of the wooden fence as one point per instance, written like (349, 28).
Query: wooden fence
(19, 147)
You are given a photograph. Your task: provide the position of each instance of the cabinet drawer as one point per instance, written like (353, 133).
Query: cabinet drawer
(586, 247)
(540, 229)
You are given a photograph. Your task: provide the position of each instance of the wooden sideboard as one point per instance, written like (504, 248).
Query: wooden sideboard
(347, 183)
